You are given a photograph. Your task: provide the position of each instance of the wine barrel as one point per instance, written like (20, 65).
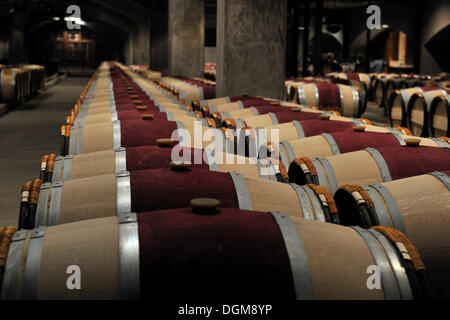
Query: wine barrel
(208, 89)
(341, 98)
(392, 85)
(329, 144)
(249, 112)
(439, 116)
(362, 77)
(360, 86)
(307, 128)
(237, 105)
(221, 100)
(269, 119)
(398, 103)
(187, 92)
(152, 114)
(36, 77)
(155, 157)
(291, 88)
(265, 109)
(11, 85)
(82, 199)
(130, 133)
(149, 255)
(379, 89)
(275, 118)
(417, 111)
(418, 206)
(371, 165)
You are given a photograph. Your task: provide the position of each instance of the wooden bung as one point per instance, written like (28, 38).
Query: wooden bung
(180, 165)
(359, 129)
(147, 117)
(164, 142)
(411, 142)
(205, 203)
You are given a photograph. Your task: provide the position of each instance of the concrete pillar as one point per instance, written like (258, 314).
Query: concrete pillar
(186, 37)
(318, 14)
(159, 47)
(251, 46)
(128, 50)
(18, 49)
(305, 47)
(293, 36)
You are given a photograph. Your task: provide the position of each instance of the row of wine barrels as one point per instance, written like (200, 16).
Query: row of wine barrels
(384, 86)
(398, 104)
(198, 104)
(342, 98)
(132, 133)
(208, 110)
(421, 109)
(75, 133)
(368, 166)
(186, 91)
(156, 157)
(261, 110)
(440, 116)
(140, 253)
(143, 71)
(417, 206)
(420, 115)
(204, 80)
(307, 128)
(361, 77)
(14, 85)
(124, 105)
(181, 252)
(208, 88)
(277, 116)
(329, 144)
(144, 113)
(19, 83)
(82, 199)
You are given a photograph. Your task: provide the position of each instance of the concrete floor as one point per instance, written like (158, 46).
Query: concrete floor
(26, 134)
(375, 114)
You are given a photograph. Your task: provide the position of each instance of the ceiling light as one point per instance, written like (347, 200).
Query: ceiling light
(76, 20)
